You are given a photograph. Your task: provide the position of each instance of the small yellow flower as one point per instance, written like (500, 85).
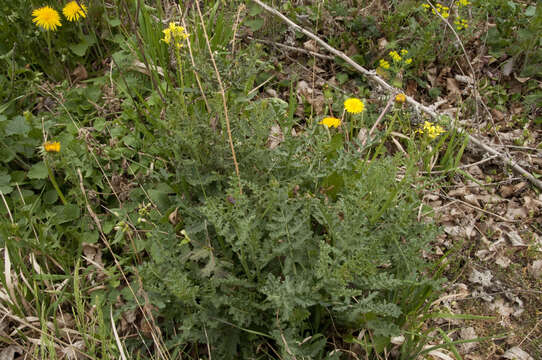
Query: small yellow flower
(431, 130)
(395, 56)
(51, 146)
(408, 61)
(74, 10)
(176, 33)
(354, 106)
(461, 24)
(47, 18)
(384, 64)
(463, 3)
(426, 6)
(404, 52)
(330, 122)
(400, 98)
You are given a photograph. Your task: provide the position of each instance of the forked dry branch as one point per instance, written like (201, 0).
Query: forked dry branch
(426, 109)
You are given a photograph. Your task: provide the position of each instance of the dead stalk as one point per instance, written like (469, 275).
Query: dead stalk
(194, 69)
(388, 105)
(222, 93)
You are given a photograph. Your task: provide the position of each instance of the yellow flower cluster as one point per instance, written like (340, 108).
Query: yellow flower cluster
(463, 3)
(384, 64)
(432, 131)
(330, 122)
(176, 33)
(51, 146)
(461, 24)
(396, 58)
(354, 106)
(48, 18)
(444, 11)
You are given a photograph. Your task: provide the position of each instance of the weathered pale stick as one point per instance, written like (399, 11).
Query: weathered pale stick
(428, 110)
(380, 117)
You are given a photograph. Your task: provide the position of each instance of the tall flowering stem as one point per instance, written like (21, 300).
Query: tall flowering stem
(55, 184)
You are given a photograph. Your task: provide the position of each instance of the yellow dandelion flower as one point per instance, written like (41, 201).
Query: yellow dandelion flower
(354, 106)
(330, 122)
(74, 10)
(51, 146)
(47, 18)
(176, 33)
(384, 64)
(400, 98)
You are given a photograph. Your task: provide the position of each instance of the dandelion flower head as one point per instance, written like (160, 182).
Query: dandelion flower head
(354, 106)
(176, 33)
(47, 18)
(74, 10)
(330, 122)
(400, 98)
(51, 146)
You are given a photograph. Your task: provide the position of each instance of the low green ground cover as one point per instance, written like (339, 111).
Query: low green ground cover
(157, 203)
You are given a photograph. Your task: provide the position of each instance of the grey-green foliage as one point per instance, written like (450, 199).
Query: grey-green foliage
(318, 242)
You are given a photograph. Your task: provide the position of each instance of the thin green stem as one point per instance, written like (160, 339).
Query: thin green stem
(48, 39)
(55, 184)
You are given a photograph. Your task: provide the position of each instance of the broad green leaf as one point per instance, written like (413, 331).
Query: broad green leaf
(38, 171)
(17, 126)
(79, 49)
(5, 187)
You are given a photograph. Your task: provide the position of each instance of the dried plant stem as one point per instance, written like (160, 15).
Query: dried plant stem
(241, 8)
(388, 105)
(428, 110)
(292, 48)
(194, 69)
(223, 94)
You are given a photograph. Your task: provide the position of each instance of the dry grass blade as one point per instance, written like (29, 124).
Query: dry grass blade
(117, 339)
(7, 276)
